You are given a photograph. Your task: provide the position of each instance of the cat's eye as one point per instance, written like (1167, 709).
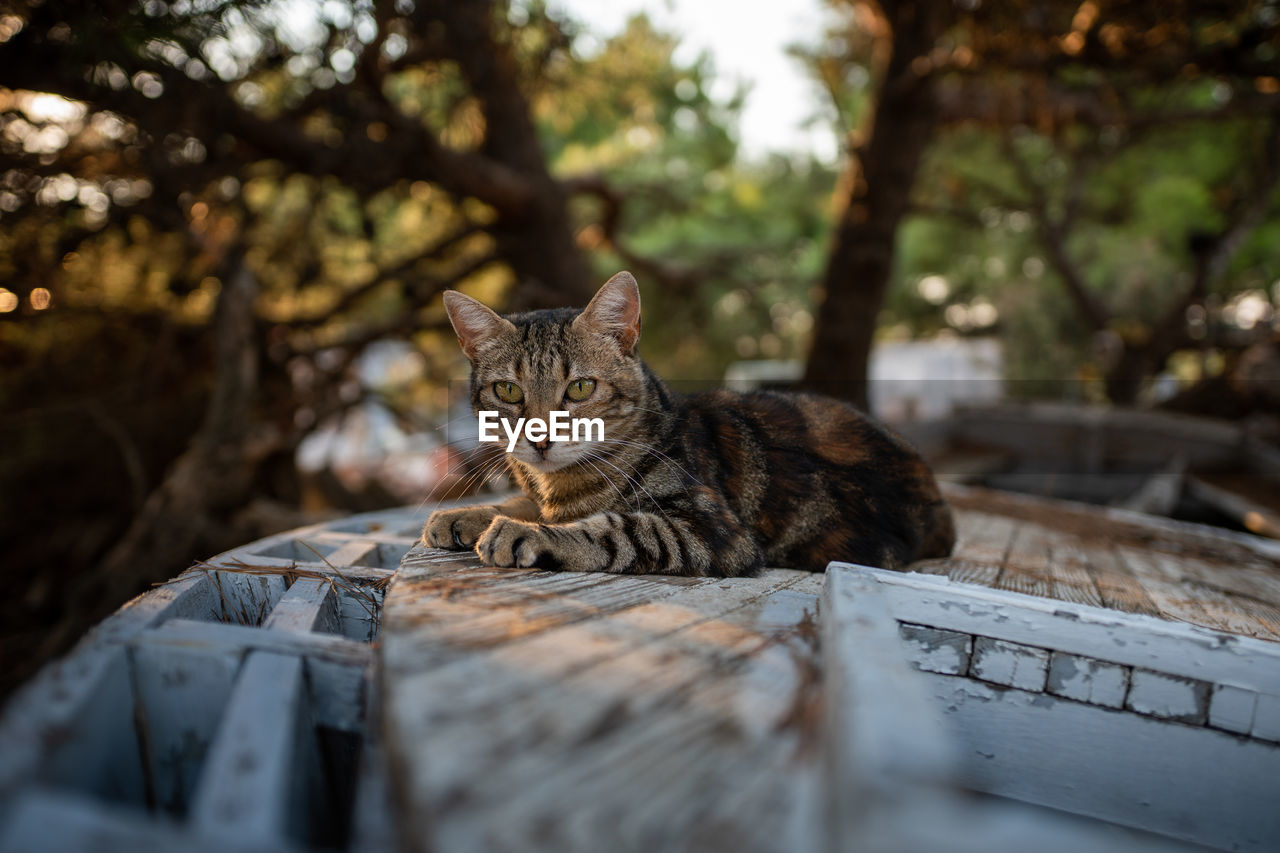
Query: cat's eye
(508, 392)
(580, 389)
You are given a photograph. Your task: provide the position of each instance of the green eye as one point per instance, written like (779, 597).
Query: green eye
(508, 392)
(580, 389)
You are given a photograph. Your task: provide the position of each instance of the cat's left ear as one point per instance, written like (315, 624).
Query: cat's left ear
(615, 310)
(474, 322)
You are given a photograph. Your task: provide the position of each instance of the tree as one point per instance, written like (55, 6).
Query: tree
(883, 159)
(210, 212)
(1036, 104)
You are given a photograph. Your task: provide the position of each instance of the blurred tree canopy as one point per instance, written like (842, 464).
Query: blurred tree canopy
(1101, 175)
(210, 209)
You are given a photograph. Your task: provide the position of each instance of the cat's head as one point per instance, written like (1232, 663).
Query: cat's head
(582, 362)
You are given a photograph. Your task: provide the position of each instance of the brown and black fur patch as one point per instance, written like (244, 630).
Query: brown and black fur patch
(715, 483)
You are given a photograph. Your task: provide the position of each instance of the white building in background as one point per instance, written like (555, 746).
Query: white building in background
(924, 380)
(910, 380)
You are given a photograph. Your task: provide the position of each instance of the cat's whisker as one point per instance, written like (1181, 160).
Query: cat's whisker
(635, 483)
(607, 479)
(658, 454)
(481, 475)
(631, 481)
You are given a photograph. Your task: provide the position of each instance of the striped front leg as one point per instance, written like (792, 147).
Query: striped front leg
(624, 543)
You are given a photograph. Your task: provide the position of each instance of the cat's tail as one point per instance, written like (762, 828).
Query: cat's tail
(939, 533)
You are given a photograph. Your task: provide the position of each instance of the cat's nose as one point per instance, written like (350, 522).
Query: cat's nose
(541, 446)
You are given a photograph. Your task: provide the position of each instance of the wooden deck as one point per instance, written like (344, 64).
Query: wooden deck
(1118, 560)
(476, 708)
(548, 711)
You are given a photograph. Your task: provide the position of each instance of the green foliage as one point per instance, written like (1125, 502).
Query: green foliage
(737, 245)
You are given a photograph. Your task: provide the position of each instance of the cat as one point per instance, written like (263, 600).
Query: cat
(715, 483)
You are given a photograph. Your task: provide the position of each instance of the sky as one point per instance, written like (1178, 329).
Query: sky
(747, 42)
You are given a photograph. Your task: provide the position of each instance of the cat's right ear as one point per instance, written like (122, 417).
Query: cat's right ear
(615, 310)
(474, 322)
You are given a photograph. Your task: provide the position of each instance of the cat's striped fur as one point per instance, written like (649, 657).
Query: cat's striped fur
(716, 483)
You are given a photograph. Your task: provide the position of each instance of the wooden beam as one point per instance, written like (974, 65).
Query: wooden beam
(1189, 651)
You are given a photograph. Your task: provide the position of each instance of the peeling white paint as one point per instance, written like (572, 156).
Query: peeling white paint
(1010, 664)
(1167, 696)
(934, 650)
(1231, 709)
(1088, 680)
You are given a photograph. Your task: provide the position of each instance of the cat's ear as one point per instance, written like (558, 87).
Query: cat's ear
(615, 310)
(473, 321)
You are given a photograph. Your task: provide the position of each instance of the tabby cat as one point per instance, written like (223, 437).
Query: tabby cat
(715, 483)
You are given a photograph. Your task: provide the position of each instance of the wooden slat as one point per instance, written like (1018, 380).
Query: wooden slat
(1116, 583)
(309, 605)
(982, 543)
(1026, 564)
(702, 688)
(351, 553)
(1185, 650)
(1253, 619)
(339, 665)
(43, 820)
(1069, 568)
(1187, 782)
(181, 694)
(881, 744)
(1164, 587)
(254, 784)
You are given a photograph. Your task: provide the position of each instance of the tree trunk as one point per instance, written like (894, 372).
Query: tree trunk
(538, 240)
(188, 513)
(879, 182)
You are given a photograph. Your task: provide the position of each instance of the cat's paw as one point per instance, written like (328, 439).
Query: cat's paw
(509, 543)
(457, 529)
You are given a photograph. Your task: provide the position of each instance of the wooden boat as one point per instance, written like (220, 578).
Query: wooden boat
(1072, 678)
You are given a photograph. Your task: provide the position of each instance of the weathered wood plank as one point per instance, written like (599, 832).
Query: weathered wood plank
(882, 740)
(1159, 695)
(1186, 650)
(245, 599)
(42, 821)
(702, 687)
(255, 782)
(82, 730)
(372, 828)
(309, 605)
(1026, 564)
(351, 552)
(1239, 614)
(340, 685)
(1231, 709)
(181, 695)
(1069, 570)
(934, 650)
(1088, 680)
(1247, 599)
(280, 565)
(982, 543)
(1266, 716)
(1116, 584)
(1010, 664)
(1125, 768)
(1164, 585)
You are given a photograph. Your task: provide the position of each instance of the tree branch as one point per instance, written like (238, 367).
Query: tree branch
(1213, 259)
(398, 270)
(1053, 236)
